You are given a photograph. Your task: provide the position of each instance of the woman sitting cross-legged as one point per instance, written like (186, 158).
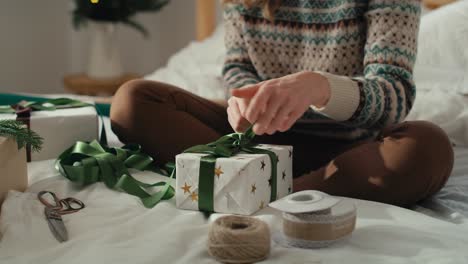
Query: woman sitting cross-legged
(331, 78)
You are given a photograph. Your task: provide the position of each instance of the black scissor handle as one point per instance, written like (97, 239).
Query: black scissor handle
(45, 202)
(71, 205)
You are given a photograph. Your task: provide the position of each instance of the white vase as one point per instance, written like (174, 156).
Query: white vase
(104, 60)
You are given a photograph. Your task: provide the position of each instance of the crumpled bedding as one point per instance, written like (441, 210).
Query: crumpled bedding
(115, 228)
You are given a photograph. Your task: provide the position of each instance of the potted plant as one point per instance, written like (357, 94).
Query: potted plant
(102, 16)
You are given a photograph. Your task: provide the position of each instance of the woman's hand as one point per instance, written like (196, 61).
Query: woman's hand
(276, 104)
(236, 109)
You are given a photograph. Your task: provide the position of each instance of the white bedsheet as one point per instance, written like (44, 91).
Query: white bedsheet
(451, 203)
(116, 228)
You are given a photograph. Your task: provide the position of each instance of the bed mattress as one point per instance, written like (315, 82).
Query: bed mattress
(116, 228)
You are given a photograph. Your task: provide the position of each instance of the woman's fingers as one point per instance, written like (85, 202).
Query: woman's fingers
(246, 91)
(263, 124)
(242, 104)
(280, 118)
(241, 122)
(258, 104)
(238, 123)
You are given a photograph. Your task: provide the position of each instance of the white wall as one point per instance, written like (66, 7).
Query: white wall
(38, 45)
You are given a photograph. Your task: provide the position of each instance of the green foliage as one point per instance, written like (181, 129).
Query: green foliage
(23, 136)
(115, 11)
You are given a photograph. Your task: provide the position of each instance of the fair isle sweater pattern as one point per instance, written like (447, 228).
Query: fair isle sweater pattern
(366, 49)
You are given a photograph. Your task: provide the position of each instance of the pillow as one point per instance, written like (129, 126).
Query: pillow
(448, 110)
(197, 67)
(442, 49)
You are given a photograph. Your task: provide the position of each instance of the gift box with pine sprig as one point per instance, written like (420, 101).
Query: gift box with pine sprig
(14, 138)
(59, 121)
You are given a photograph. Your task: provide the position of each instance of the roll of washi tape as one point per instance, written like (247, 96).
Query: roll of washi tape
(313, 219)
(239, 239)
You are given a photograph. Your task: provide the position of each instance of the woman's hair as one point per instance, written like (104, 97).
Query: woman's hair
(268, 6)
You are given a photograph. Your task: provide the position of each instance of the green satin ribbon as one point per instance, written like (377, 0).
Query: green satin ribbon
(225, 147)
(11, 98)
(52, 105)
(88, 163)
(47, 105)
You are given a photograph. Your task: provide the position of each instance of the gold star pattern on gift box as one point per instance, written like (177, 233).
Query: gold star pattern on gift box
(218, 171)
(254, 188)
(262, 205)
(186, 188)
(194, 196)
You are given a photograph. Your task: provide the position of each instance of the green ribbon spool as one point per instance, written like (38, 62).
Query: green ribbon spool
(225, 147)
(88, 163)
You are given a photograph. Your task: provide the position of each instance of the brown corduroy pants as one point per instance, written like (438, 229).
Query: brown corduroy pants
(407, 163)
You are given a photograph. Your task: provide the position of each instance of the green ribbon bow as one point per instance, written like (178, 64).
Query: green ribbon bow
(87, 163)
(52, 105)
(227, 146)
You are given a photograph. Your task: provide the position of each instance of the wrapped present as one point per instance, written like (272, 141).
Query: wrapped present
(233, 175)
(14, 136)
(13, 173)
(60, 122)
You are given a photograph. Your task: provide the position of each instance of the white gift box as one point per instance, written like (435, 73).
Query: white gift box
(61, 128)
(241, 184)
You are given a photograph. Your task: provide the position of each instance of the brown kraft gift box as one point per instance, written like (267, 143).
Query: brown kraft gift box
(13, 168)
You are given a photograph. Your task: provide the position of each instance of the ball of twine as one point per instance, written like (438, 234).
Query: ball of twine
(239, 239)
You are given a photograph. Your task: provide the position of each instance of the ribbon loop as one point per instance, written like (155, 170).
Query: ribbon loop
(88, 163)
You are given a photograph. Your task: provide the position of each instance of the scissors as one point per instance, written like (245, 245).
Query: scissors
(54, 210)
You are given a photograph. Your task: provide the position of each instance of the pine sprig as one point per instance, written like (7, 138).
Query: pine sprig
(21, 134)
(114, 11)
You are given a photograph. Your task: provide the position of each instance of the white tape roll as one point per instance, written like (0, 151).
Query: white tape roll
(313, 219)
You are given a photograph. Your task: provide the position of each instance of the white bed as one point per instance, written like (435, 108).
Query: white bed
(116, 228)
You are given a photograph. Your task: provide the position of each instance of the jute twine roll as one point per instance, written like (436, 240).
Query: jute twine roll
(239, 239)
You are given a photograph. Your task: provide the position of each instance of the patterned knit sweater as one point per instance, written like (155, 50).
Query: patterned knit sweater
(365, 48)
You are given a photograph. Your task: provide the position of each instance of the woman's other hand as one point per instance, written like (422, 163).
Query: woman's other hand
(236, 109)
(276, 104)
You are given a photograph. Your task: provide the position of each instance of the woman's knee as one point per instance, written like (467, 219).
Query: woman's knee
(425, 159)
(132, 102)
(134, 95)
(126, 97)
